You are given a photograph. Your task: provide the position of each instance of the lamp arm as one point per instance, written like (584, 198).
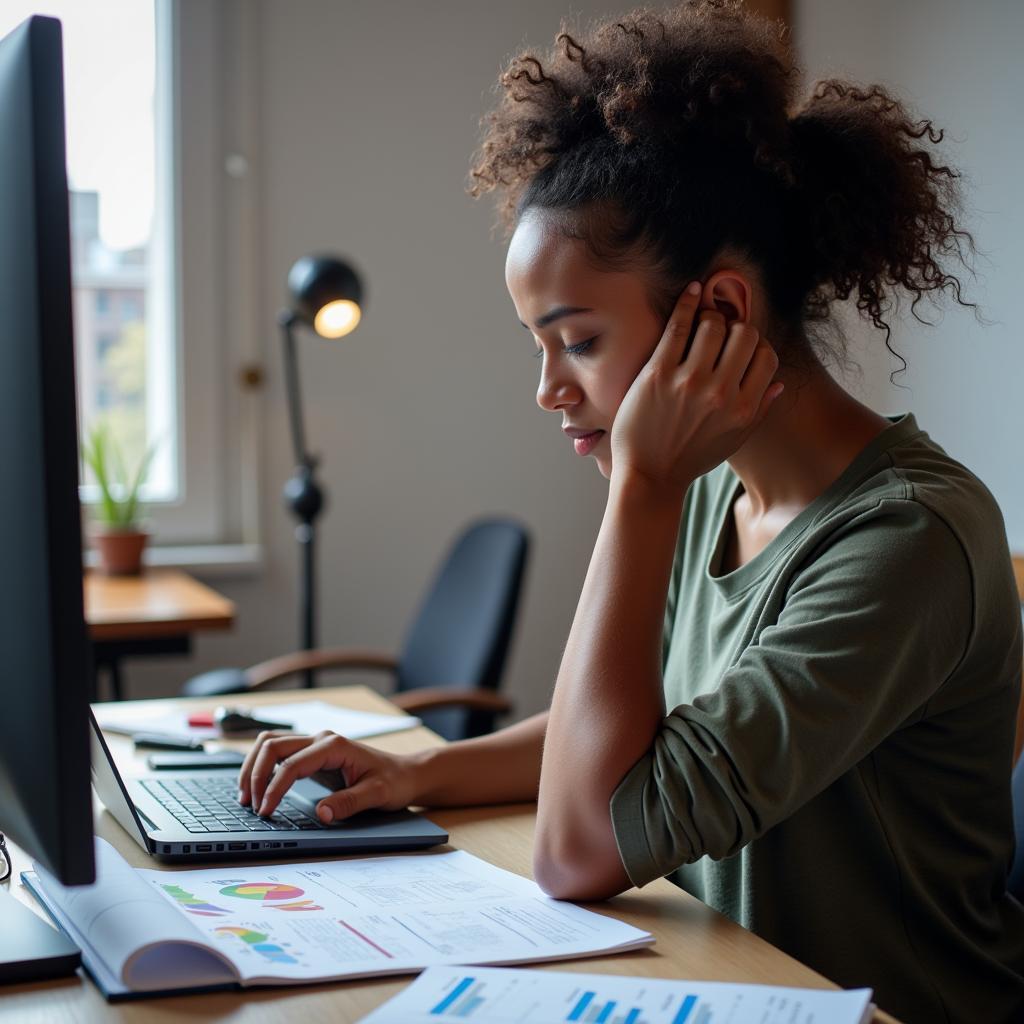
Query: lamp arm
(287, 320)
(302, 493)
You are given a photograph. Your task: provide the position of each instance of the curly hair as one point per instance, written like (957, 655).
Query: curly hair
(663, 139)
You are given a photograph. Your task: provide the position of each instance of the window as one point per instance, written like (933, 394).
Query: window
(157, 231)
(109, 100)
(131, 305)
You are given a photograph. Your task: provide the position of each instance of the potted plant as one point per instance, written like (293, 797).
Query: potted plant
(118, 535)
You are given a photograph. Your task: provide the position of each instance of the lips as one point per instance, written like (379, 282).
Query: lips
(583, 440)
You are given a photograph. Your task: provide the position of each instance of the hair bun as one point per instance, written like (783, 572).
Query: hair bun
(877, 211)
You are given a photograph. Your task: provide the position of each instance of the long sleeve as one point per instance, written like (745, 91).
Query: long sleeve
(835, 771)
(874, 623)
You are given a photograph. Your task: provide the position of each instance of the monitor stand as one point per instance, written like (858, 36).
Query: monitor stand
(30, 950)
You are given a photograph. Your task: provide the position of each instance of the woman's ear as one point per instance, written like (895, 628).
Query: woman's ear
(730, 293)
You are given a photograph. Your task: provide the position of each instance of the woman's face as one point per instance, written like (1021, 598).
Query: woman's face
(593, 329)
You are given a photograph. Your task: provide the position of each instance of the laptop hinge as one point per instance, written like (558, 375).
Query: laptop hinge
(108, 784)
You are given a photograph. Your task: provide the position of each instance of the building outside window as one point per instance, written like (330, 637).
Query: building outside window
(109, 296)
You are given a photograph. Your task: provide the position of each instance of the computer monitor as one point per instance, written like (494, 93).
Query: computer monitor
(45, 670)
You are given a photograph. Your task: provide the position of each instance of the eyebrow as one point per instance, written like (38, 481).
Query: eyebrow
(556, 314)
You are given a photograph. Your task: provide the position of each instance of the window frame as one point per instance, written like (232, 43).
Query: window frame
(204, 251)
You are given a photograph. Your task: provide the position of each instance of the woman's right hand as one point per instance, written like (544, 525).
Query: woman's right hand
(707, 386)
(371, 777)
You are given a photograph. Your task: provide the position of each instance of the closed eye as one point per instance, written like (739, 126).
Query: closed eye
(571, 350)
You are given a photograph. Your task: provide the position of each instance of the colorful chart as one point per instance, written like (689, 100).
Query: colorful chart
(267, 892)
(257, 942)
(297, 905)
(193, 904)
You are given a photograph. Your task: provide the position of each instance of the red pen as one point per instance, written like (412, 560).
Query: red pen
(201, 719)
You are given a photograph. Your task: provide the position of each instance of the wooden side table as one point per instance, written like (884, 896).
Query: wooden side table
(152, 614)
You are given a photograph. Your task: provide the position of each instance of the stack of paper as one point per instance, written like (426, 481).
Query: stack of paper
(307, 717)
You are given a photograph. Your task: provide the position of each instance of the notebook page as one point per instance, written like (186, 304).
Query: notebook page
(131, 930)
(382, 915)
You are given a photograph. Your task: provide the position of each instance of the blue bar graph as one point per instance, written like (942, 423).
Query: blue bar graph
(632, 1017)
(605, 1013)
(453, 995)
(577, 1010)
(684, 1011)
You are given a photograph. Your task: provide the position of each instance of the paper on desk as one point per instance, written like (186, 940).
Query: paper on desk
(303, 716)
(500, 995)
(382, 915)
(294, 923)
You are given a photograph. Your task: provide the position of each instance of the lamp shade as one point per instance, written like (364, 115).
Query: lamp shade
(327, 294)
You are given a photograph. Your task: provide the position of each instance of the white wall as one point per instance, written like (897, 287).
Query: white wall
(367, 115)
(959, 65)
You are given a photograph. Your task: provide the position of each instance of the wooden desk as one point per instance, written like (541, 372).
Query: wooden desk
(155, 613)
(693, 941)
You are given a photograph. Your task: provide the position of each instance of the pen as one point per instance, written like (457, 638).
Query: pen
(165, 741)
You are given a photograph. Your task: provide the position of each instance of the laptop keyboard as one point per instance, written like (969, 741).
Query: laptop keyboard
(211, 805)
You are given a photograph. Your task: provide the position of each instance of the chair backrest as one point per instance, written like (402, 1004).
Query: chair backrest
(461, 636)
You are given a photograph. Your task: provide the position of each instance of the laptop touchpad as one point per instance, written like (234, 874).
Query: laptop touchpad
(310, 791)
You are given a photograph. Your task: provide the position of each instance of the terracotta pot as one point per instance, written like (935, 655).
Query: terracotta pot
(120, 551)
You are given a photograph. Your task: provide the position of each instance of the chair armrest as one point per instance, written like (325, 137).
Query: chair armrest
(329, 657)
(429, 698)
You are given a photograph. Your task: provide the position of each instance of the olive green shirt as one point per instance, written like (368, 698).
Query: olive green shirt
(835, 771)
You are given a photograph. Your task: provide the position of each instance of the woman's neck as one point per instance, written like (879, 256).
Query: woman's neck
(813, 431)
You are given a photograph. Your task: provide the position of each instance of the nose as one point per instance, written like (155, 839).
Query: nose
(557, 390)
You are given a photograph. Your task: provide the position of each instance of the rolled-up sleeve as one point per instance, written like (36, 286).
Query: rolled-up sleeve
(867, 630)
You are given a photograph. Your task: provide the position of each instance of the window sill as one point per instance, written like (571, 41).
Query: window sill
(207, 560)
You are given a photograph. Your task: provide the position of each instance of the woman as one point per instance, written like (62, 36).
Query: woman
(791, 679)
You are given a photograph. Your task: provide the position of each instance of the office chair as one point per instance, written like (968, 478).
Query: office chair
(450, 666)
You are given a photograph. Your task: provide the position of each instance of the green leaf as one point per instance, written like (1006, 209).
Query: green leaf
(119, 499)
(132, 498)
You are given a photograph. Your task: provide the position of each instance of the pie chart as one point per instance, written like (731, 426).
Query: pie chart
(265, 892)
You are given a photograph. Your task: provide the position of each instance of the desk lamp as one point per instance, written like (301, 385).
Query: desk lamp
(325, 294)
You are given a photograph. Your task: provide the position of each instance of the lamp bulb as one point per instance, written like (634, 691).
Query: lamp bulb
(337, 318)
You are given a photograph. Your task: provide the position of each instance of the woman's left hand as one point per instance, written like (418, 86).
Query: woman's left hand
(688, 411)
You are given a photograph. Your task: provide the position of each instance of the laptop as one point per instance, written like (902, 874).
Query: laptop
(195, 815)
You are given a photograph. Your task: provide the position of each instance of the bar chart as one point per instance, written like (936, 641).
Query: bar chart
(589, 1009)
(518, 999)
